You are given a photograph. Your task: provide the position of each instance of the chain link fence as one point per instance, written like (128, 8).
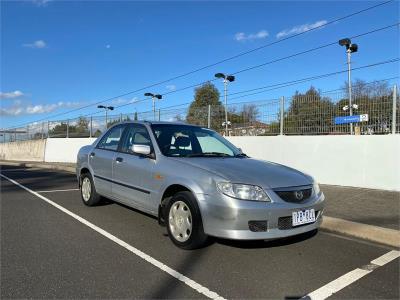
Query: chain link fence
(311, 113)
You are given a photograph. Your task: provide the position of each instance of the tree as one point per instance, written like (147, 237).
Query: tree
(206, 95)
(360, 88)
(82, 125)
(112, 122)
(374, 99)
(249, 113)
(60, 130)
(178, 118)
(308, 113)
(81, 128)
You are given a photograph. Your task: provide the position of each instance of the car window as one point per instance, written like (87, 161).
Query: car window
(175, 141)
(189, 141)
(111, 139)
(210, 144)
(135, 135)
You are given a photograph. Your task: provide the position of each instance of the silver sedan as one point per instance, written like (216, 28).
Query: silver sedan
(197, 184)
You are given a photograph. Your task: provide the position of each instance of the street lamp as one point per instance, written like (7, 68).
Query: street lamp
(226, 78)
(350, 48)
(106, 108)
(154, 97)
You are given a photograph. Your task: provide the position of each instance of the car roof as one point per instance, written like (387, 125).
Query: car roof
(159, 122)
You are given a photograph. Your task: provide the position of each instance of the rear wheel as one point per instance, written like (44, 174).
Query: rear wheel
(88, 191)
(184, 224)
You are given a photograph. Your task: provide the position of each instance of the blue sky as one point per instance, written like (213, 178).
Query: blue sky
(57, 56)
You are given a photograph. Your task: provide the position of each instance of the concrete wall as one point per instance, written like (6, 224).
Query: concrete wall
(23, 150)
(360, 161)
(65, 149)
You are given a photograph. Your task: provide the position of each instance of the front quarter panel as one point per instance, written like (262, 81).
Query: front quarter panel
(173, 172)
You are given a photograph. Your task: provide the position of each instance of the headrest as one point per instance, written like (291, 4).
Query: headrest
(182, 141)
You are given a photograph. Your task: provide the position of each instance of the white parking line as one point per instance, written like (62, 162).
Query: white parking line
(54, 191)
(348, 278)
(189, 282)
(18, 170)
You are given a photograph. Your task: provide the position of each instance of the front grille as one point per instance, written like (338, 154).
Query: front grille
(285, 223)
(258, 226)
(296, 196)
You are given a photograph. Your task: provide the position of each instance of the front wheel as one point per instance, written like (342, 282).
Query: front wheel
(184, 224)
(88, 191)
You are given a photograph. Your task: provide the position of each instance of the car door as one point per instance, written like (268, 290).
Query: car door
(101, 160)
(132, 173)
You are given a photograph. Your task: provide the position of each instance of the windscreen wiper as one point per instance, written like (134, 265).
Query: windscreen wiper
(241, 155)
(209, 154)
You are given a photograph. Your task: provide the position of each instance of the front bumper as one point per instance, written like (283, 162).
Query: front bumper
(229, 218)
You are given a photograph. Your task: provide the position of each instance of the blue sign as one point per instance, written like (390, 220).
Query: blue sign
(351, 119)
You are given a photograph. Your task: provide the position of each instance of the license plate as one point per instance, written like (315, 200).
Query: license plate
(303, 217)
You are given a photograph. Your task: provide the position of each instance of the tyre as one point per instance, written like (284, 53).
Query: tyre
(88, 191)
(184, 223)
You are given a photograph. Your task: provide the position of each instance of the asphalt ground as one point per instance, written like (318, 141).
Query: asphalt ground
(367, 206)
(46, 253)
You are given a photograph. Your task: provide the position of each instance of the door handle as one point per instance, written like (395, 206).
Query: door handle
(92, 154)
(119, 159)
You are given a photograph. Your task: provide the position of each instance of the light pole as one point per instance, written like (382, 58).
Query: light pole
(226, 78)
(106, 108)
(153, 98)
(350, 48)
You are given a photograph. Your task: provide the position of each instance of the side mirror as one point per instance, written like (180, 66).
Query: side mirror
(141, 149)
(240, 150)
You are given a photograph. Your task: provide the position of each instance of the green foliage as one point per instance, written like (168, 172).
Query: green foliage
(97, 133)
(205, 95)
(248, 115)
(373, 99)
(80, 129)
(308, 113)
(60, 130)
(208, 94)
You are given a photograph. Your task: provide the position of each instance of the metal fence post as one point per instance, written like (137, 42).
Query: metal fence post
(209, 116)
(27, 132)
(394, 109)
(120, 117)
(48, 129)
(42, 130)
(282, 110)
(159, 114)
(67, 128)
(91, 128)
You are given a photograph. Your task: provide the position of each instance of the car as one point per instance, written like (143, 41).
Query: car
(197, 184)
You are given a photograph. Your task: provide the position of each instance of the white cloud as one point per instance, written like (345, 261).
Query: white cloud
(241, 36)
(121, 101)
(40, 109)
(41, 2)
(171, 87)
(300, 28)
(11, 95)
(18, 110)
(39, 44)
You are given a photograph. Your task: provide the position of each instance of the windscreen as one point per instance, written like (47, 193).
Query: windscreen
(192, 141)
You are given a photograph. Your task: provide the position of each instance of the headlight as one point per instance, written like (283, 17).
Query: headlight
(316, 188)
(243, 191)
